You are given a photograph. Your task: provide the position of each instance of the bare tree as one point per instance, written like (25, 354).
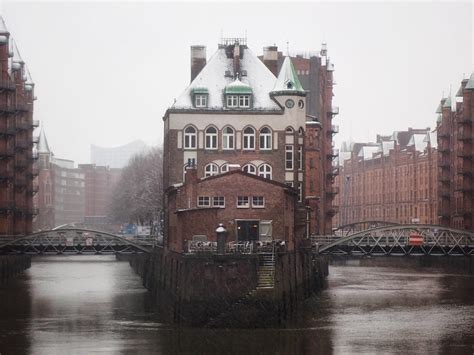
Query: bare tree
(137, 198)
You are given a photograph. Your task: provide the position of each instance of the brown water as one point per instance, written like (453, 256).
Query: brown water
(84, 305)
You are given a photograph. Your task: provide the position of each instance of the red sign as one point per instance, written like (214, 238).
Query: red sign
(415, 239)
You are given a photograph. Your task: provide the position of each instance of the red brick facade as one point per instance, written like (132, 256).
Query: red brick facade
(17, 167)
(277, 208)
(398, 183)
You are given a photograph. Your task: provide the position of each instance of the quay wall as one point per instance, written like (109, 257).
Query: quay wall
(221, 290)
(12, 265)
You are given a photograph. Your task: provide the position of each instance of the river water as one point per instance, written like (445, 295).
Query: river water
(94, 304)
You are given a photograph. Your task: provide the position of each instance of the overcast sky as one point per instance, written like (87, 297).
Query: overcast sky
(106, 72)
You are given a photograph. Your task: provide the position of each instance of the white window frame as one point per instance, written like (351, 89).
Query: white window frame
(224, 168)
(299, 188)
(265, 171)
(190, 139)
(248, 139)
(200, 100)
(210, 139)
(218, 201)
(300, 157)
(243, 202)
(289, 162)
(211, 169)
(204, 201)
(265, 138)
(250, 169)
(244, 101)
(228, 139)
(256, 202)
(232, 101)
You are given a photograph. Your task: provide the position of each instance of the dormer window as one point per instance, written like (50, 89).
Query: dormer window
(238, 95)
(200, 97)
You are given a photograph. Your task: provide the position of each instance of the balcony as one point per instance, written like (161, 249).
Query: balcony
(22, 145)
(35, 156)
(7, 85)
(464, 153)
(7, 131)
(465, 134)
(19, 107)
(333, 153)
(334, 110)
(4, 108)
(35, 123)
(334, 129)
(333, 172)
(465, 120)
(36, 139)
(21, 164)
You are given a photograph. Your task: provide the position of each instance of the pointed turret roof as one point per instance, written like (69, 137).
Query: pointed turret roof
(3, 27)
(440, 106)
(288, 80)
(470, 82)
(43, 146)
(447, 102)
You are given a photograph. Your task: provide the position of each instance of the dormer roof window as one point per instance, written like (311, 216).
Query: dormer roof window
(238, 95)
(200, 97)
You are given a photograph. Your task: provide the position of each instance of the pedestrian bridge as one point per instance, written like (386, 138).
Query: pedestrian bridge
(415, 239)
(74, 241)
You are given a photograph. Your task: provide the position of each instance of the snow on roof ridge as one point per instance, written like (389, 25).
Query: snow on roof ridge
(288, 78)
(3, 26)
(470, 82)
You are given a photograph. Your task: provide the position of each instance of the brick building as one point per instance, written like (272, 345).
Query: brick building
(69, 194)
(17, 161)
(236, 111)
(456, 158)
(393, 179)
(251, 208)
(315, 73)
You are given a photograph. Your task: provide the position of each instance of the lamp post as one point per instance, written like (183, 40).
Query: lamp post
(221, 236)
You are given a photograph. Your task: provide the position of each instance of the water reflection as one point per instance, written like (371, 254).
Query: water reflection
(87, 304)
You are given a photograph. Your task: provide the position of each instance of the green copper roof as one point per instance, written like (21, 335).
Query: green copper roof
(238, 87)
(470, 83)
(288, 80)
(200, 90)
(447, 102)
(440, 107)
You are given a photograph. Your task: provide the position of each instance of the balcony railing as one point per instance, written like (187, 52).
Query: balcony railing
(334, 129)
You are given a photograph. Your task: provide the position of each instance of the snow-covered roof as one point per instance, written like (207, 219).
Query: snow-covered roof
(43, 146)
(386, 146)
(470, 82)
(432, 138)
(258, 77)
(288, 80)
(367, 151)
(447, 102)
(419, 141)
(3, 27)
(238, 87)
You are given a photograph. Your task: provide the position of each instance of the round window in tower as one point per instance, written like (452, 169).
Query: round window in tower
(301, 104)
(289, 103)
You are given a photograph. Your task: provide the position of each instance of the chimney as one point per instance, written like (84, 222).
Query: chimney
(198, 60)
(270, 58)
(236, 59)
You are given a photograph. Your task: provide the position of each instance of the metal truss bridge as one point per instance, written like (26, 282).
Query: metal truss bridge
(74, 241)
(352, 228)
(415, 239)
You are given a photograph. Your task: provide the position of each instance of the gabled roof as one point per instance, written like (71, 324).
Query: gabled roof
(447, 102)
(288, 81)
(43, 146)
(470, 82)
(419, 141)
(213, 78)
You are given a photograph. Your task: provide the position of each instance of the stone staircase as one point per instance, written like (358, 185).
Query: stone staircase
(266, 271)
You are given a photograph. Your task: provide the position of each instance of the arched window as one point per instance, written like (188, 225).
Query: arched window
(249, 169)
(211, 169)
(190, 138)
(301, 131)
(265, 171)
(249, 138)
(289, 130)
(224, 168)
(265, 138)
(211, 138)
(227, 138)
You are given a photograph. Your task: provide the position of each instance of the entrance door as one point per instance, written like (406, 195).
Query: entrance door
(247, 230)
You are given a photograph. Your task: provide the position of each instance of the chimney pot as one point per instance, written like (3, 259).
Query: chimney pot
(198, 60)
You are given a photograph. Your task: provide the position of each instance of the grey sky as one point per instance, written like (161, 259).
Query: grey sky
(106, 72)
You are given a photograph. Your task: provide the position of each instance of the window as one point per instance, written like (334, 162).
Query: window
(249, 138)
(289, 157)
(218, 201)
(289, 130)
(265, 171)
(211, 138)
(258, 202)
(211, 169)
(243, 202)
(204, 201)
(190, 138)
(300, 157)
(244, 101)
(249, 169)
(227, 138)
(224, 168)
(200, 100)
(232, 101)
(265, 138)
(300, 191)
